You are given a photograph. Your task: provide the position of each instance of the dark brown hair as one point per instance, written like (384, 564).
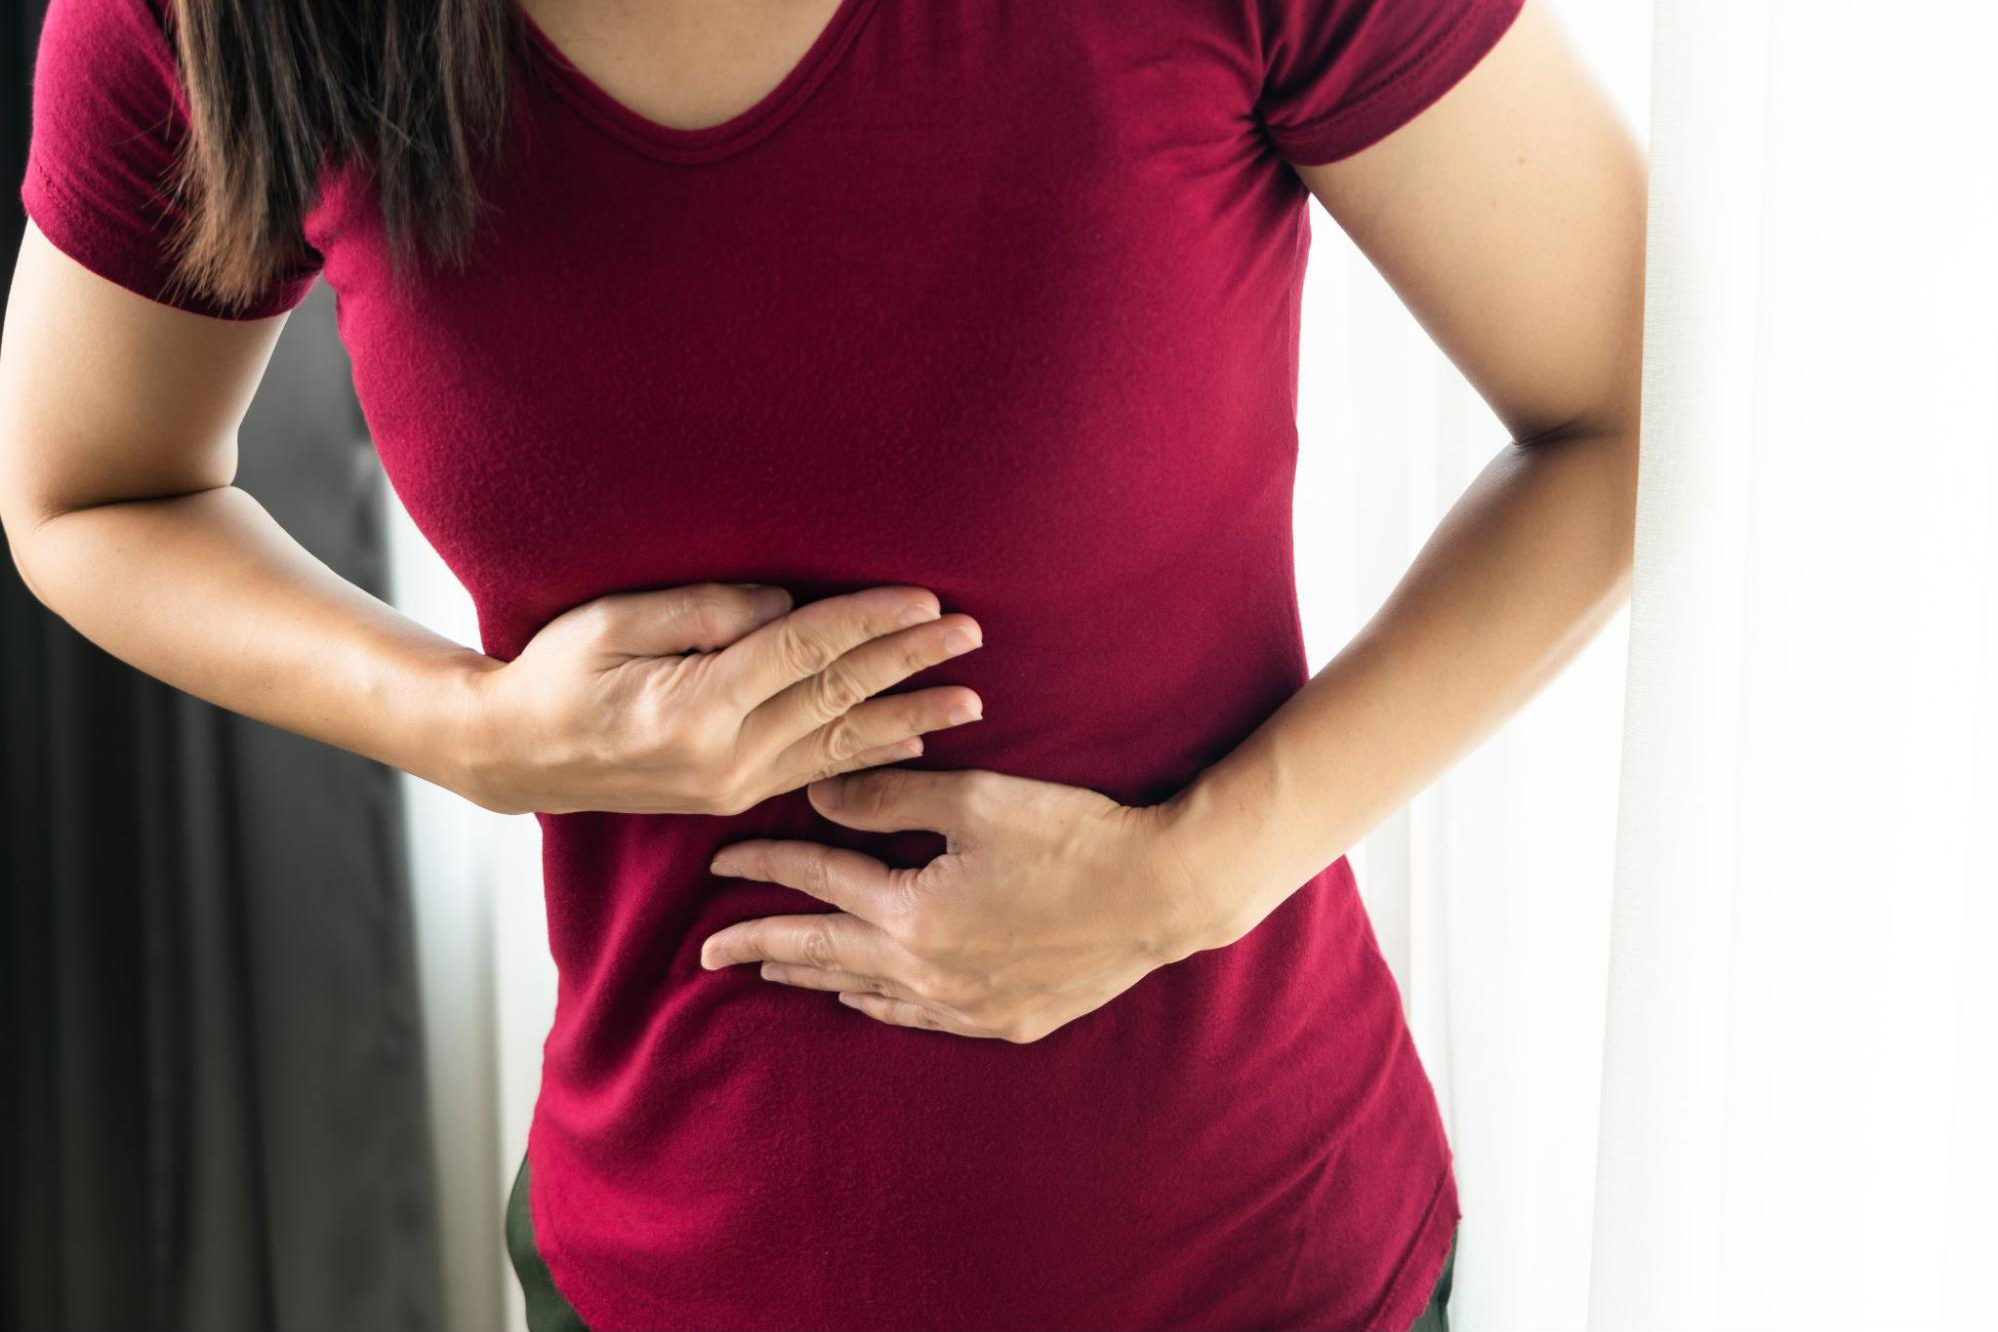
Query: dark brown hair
(414, 91)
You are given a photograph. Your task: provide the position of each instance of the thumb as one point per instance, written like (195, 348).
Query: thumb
(699, 617)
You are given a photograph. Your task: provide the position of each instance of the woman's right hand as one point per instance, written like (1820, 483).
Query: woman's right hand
(708, 698)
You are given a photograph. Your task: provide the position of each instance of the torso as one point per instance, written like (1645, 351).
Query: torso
(1000, 300)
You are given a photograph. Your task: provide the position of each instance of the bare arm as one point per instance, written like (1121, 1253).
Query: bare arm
(1509, 217)
(118, 420)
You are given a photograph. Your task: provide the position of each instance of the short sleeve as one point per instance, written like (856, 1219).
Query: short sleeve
(1340, 75)
(109, 115)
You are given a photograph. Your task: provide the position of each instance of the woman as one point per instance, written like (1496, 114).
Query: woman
(966, 334)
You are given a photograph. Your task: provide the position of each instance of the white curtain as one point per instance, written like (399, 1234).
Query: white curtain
(1697, 950)
(1801, 1080)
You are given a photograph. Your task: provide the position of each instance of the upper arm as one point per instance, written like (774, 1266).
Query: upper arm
(116, 380)
(1508, 215)
(107, 395)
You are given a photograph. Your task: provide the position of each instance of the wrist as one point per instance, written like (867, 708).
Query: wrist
(465, 741)
(1202, 856)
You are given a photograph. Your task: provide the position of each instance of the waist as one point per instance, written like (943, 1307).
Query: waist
(1199, 1118)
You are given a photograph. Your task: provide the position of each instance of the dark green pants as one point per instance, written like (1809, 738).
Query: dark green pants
(547, 1311)
(1436, 1318)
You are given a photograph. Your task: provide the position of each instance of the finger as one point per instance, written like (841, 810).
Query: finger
(820, 978)
(828, 940)
(851, 880)
(820, 702)
(880, 723)
(902, 1013)
(901, 799)
(798, 646)
(867, 758)
(697, 617)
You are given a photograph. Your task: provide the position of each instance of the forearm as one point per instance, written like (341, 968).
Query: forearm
(208, 593)
(1521, 573)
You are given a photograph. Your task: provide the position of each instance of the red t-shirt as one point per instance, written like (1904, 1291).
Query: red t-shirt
(996, 299)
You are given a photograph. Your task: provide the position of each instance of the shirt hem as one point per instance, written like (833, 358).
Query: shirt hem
(579, 1293)
(1422, 1267)
(1407, 1295)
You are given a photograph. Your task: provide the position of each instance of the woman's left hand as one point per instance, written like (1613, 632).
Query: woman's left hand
(1049, 901)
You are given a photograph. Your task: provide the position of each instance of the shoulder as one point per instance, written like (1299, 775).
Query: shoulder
(107, 43)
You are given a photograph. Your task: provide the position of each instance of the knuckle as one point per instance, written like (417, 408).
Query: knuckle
(978, 795)
(826, 768)
(805, 652)
(818, 877)
(928, 984)
(836, 689)
(873, 792)
(842, 742)
(900, 923)
(915, 930)
(941, 879)
(876, 614)
(902, 927)
(599, 619)
(817, 947)
(726, 790)
(706, 610)
(952, 991)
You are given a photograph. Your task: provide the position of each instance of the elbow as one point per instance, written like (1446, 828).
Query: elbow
(20, 532)
(25, 515)
(1604, 447)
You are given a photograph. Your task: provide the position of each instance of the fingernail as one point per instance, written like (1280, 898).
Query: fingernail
(770, 602)
(959, 640)
(964, 712)
(826, 793)
(721, 865)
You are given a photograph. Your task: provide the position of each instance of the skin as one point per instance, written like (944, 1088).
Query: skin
(1508, 216)
(688, 64)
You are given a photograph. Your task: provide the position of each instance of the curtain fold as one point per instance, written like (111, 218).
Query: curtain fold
(1802, 1039)
(216, 1095)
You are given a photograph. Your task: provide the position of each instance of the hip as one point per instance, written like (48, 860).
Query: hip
(549, 1310)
